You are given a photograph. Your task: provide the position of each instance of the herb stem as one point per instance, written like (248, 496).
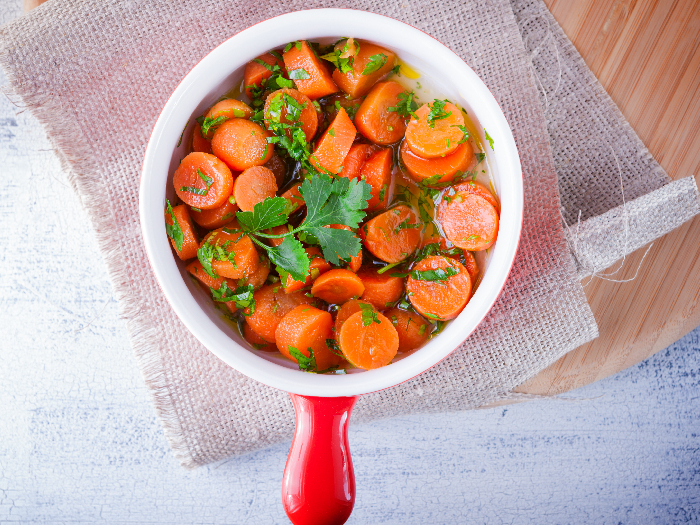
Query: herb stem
(389, 266)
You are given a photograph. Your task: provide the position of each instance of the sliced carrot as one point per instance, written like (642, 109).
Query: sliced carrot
(363, 76)
(259, 276)
(469, 221)
(279, 167)
(256, 341)
(355, 159)
(277, 230)
(255, 72)
(241, 144)
(471, 266)
(477, 189)
(349, 308)
(356, 261)
(341, 100)
(437, 170)
(381, 289)
(440, 299)
(413, 330)
(317, 266)
(221, 112)
(337, 286)
(271, 305)
(368, 346)
(245, 256)
(394, 235)
(334, 144)
(195, 268)
(376, 172)
(190, 244)
(199, 143)
(374, 121)
(203, 181)
(430, 138)
(277, 106)
(294, 197)
(314, 81)
(215, 217)
(304, 328)
(254, 185)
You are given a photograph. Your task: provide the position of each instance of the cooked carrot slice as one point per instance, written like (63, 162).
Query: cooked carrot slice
(245, 256)
(477, 189)
(255, 72)
(469, 221)
(277, 109)
(413, 330)
(393, 235)
(293, 195)
(438, 170)
(349, 308)
(317, 266)
(430, 138)
(279, 167)
(190, 244)
(471, 266)
(334, 144)
(381, 289)
(341, 100)
(371, 345)
(254, 185)
(221, 112)
(356, 261)
(277, 230)
(369, 66)
(199, 143)
(374, 121)
(307, 327)
(195, 268)
(376, 172)
(256, 341)
(203, 181)
(434, 291)
(241, 144)
(314, 81)
(355, 159)
(259, 276)
(337, 286)
(215, 217)
(271, 305)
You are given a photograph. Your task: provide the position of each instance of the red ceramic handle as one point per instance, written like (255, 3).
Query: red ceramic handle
(318, 486)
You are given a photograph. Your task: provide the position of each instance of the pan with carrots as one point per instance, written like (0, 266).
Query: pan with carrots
(338, 216)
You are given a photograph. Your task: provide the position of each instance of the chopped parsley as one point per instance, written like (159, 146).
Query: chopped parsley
(299, 74)
(242, 296)
(376, 62)
(488, 137)
(308, 364)
(173, 230)
(406, 225)
(343, 58)
(437, 111)
(465, 133)
(289, 46)
(369, 315)
(480, 157)
(437, 274)
(406, 106)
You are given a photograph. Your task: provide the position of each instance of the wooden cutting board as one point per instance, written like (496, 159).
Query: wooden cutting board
(646, 54)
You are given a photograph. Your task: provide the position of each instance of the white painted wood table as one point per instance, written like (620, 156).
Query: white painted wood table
(79, 441)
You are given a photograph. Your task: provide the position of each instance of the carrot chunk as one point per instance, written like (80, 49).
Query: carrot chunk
(437, 131)
(195, 268)
(439, 287)
(477, 189)
(374, 121)
(231, 255)
(349, 308)
(256, 341)
(255, 72)
(241, 144)
(317, 266)
(334, 144)
(393, 235)
(469, 221)
(203, 181)
(254, 185)
(288, 106)
(368, 341)
(413, 330)
(190, 244)
(309, 72)
(293, 195)
(355, 159)
(271, 305)
(471, 266)
(337, 286)
(221, 112)
(199, 143)
(376, 172)
(437, 170)
(355, 261)
(259, 276)
(381, 289)
(215, 217)
(307, 328)
(370, 64)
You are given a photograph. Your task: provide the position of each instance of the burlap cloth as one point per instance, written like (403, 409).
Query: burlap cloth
(96, 74)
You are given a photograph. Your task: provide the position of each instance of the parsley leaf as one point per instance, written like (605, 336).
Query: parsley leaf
(266, 214)
(289, 46)
(465, 131)
(174, 231)
(290, 257)
(375, 63)
(369, 315)
(205, 254)
(488, 137)
(437, 274)
(299, 74)
(437, 111)
(406, 106)
(343, 57)
(334, 348)
(405, 225)
(307, 364)
(480, 157)
(242, 296)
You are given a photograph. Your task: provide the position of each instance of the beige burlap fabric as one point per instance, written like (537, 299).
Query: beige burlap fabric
(96, 75)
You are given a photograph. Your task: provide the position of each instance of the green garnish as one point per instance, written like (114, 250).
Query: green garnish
(308, 364)
(437, 274)
(369, 315)
(421, 330)
(437, 111)
(395, 70)
(242, 296)
(406, 106)
(480, 157)
(206, 254)
(465, 133)
(334, 348)
(375, 63)
(299, 74)
(331, 132)
(406, 225)
(192, 189)
(173, 230)
(344, 64)
(382, 192)
(488, 137)
(289, 46)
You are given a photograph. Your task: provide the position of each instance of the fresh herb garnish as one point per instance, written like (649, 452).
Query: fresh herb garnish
(308, 364)
(375, 63)
(406, 106)
(205, 254)
(343, 58)
(173, 230)
(480, 157)
(438, 274)
(334, 348)
(192, 189)
(242, 296)
(437, 111)
(207, 180)
(406, 225)
(488, 137)
(465, 133)
(369, 315)
(289, 46)
(299, 74)
(395, 70)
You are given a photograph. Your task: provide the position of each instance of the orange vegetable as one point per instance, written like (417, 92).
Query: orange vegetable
(356, 261)
(271, 305)
(422, 170)
(319, 84)
(394, 235)
(469, 221)
(334, 144)
(254, 185)
(199, 143)
(355, 159)
(368, 346)
(276, 110)
(294, 197)
(471, 266)
(256, 341)
(277, 230)
(307, 327)
(439, 299)
(203, 181)
(413, 330)
(195, 268)
(351, 105)
(374, 121)
(337, 286)
(376, 172)
(241, 144)
(440, 139)
(477, 189)
(222, 111)
(381, 289)
(245, 256)
(277, 166)
(259, 276)
(190, 244)
(215, 217)
(255, 73)
(357, 84)
(317, 266)
(346, 311)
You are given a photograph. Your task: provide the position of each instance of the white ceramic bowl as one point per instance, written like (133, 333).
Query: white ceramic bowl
(223, 68)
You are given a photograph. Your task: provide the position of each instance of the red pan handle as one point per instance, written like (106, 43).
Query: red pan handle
(318, 486)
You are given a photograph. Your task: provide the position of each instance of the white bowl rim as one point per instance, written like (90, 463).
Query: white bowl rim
(252, 42)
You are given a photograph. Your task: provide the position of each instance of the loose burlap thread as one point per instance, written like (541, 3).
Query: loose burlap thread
(80, 65)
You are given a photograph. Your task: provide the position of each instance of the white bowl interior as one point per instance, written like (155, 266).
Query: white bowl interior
(447, 75)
